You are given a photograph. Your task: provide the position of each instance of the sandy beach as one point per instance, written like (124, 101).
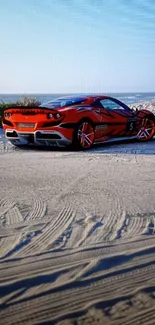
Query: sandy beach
(77, 243)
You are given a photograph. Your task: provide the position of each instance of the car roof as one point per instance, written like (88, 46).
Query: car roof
(88, 98)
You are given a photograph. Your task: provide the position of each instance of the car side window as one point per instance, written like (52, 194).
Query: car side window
(109, 104)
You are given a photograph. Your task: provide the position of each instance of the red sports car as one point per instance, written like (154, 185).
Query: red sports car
(81, 121)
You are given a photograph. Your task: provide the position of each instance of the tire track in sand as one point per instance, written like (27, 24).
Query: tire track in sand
(12, 219)
(51, 232)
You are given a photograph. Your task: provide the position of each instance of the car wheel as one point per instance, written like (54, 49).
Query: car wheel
(84, 135)
(147, 130)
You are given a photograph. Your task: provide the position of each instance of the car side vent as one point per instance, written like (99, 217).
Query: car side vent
(6, 122)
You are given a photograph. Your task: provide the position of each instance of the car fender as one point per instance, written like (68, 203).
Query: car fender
(146, 113)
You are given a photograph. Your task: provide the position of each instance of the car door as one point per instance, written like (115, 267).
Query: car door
(116, 118)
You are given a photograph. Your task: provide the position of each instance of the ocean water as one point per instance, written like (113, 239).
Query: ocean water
(127, 98)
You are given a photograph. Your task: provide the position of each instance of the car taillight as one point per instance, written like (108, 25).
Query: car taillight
(7, 114)
(55, 116)
(49, 115)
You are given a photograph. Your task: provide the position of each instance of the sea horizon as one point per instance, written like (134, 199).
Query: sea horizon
(126, 97)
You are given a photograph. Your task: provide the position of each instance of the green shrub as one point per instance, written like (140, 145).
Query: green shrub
(23, 101)
(27, 101)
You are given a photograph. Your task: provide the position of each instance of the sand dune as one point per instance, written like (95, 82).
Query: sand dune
(77, 236)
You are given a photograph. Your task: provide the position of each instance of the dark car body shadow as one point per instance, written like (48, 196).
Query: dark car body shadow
(119, 147)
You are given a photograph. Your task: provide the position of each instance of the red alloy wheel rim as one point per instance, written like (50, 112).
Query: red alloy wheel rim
(86, 135)
(147, 130)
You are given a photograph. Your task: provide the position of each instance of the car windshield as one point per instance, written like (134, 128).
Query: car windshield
(61, 102)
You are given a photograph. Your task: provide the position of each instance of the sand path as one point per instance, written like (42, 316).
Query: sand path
(77, 235)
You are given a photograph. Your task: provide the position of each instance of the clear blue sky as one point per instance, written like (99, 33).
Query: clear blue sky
(65, 46)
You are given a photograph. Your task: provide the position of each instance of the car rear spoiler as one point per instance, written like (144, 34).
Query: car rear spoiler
(26, 109)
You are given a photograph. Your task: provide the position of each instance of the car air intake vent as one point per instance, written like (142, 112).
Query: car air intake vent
(12, 134)
(44, 136)
(28, 136)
